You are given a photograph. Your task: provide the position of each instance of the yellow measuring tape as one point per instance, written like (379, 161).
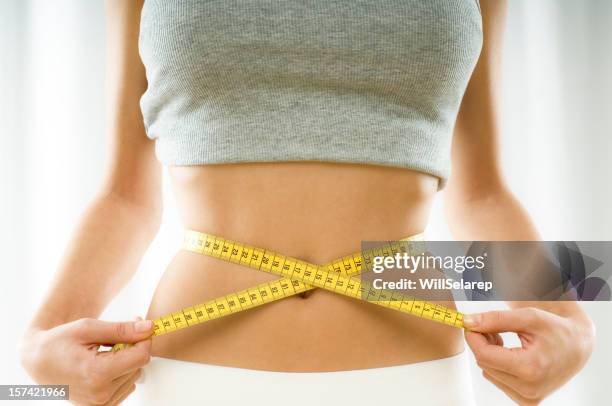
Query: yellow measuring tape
(339, 276)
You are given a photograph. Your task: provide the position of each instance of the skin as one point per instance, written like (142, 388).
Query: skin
(314, 211)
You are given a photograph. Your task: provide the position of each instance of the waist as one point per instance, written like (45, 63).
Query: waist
(314, 212)
(304, 209)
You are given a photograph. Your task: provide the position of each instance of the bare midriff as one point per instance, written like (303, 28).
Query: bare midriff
(315, 212)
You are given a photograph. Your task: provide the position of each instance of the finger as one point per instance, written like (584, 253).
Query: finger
(137, 318)
(115, 364)
(514, 395)
(125, 396)
(92, 331)
(501, 321)
(494, 339)
(525, 389)
(117, 382)
(493, 355)
(511, 380)
(123, 391)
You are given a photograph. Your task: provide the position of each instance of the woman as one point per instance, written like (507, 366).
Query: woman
(305, 128)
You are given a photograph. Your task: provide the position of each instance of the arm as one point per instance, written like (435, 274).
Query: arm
(60, 345)
(123, 218)
(479, 206)
(478, 203)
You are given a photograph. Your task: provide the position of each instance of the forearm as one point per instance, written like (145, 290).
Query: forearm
(499, 216)
(102, 256)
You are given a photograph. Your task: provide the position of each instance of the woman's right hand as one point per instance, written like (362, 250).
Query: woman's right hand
(68, 355)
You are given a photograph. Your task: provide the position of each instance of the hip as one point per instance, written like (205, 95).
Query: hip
(442, 381)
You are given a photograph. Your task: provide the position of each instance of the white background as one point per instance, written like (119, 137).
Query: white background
(556, 144)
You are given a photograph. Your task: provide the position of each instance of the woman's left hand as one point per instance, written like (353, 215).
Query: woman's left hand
(554, 348)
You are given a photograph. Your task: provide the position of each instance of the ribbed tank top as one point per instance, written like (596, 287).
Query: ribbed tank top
(361, 81)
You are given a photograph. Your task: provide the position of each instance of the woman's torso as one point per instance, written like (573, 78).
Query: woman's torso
(315, 212)
(374, 83)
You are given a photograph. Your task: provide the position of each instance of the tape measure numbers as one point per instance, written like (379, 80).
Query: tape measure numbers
(339, 276)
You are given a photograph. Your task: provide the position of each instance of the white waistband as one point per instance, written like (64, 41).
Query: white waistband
(444, 381)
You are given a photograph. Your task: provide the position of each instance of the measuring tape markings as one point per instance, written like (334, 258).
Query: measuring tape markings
(320, 277)
(298, 276)
(266, 292)
(261, 294)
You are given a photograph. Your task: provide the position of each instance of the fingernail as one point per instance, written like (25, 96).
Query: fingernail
(471, 320)
(143, 325)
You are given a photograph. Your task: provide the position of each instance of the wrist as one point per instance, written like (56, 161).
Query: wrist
(53, 314)
(29, 349)
(585, 326)
(583, 334)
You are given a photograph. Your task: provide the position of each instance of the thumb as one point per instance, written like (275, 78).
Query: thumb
(499, 321)
(94, 331)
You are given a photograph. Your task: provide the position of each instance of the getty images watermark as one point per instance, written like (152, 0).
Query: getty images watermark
(489, 270)
(412, 263)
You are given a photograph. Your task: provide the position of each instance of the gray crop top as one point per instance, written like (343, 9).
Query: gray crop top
(361, 81)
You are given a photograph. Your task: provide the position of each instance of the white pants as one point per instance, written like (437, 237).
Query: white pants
(439, 382)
